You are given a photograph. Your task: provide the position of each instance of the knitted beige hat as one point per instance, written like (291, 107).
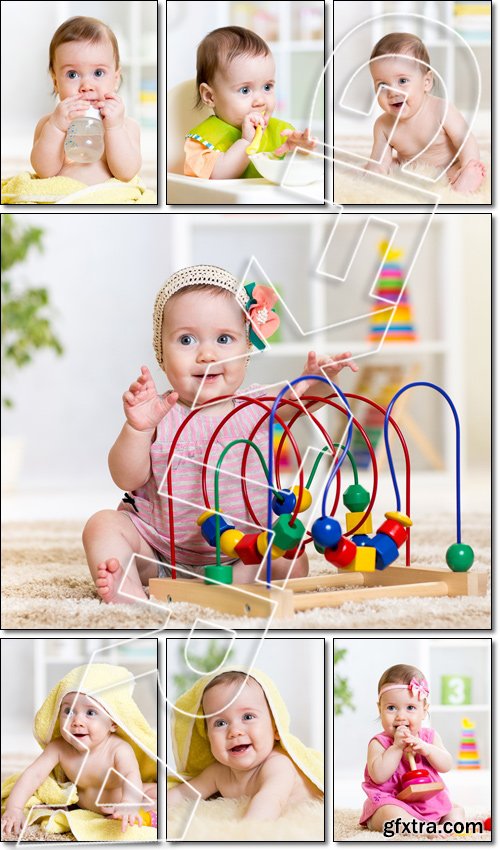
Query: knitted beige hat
(192, 276)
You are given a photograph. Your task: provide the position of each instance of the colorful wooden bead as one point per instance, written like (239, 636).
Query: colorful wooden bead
(287, 536)
(394, 530)
(306, 500)
(294, 553)
(320, 549)
(209, 528)
(387, 551)
(228, 541)
(364, 562)
(222, 573)
(343, 553)
(284, 502)
(246, 549)
(356, 498)
(399, 517)
(202, 517)
(361, 540)
(263, 543)
(460, 557)
(353, 517)
(326, 531)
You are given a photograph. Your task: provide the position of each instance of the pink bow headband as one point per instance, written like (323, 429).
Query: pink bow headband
(417, 687)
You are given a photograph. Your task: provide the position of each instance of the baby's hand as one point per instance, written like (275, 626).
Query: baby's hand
(401, 737)
(318, 366)
(112, 111)
(67, 110)
(13, 821)
(250, 124)
(143, 407)
(416, 746)
(296, 139)
(128, 816)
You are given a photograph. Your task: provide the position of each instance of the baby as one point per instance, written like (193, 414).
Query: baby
(250, 760)
(202, 339)
(236, 78)
(85, 749)
(84, 64)
(415, 123)
(403, 704)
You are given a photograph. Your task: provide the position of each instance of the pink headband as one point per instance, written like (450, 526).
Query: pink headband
(417, 687)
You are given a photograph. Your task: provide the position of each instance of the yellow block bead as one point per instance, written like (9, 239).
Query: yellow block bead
(202, 517)
(228, 540)
(262, 544)
(306, 500)
(364, 562)
(353, 517)
(401, 518)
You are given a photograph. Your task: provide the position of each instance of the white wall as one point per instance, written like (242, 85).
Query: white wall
(294, 664)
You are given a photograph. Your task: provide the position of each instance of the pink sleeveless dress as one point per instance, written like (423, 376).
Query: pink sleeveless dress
(151, 514)
(385, 794)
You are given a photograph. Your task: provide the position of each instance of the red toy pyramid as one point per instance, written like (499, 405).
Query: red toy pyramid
(389, 286)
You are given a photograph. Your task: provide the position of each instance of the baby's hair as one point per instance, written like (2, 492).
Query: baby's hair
(220, 47)
(80, 28)
(399, 674)
(403, 43)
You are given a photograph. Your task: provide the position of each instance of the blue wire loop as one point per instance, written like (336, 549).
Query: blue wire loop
(457, 446)
(338, 459)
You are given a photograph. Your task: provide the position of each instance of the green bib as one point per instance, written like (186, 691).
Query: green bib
(215, 134)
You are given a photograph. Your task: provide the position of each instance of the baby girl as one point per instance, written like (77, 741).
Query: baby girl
(236, 78)
(403, 703)
(250, 756)
(84, 63)
(416, 124)
(202, 339)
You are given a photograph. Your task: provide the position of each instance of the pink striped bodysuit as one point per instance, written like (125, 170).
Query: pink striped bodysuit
(152, 519)
(385, 794)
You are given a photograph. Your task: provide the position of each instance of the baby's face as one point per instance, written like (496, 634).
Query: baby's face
(83, 722)
(81, 67)
(401, 84)
(199, 331)
(244, 85)
(241, 736)
(400, 708)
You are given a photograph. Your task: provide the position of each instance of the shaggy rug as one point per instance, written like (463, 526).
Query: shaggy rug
(353, 186)
(46, 585)
(347, 828)
(220, 820)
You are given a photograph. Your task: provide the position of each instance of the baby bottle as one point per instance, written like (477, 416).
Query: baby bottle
(85, 137)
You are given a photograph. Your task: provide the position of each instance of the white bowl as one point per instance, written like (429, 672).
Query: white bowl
(304, 168)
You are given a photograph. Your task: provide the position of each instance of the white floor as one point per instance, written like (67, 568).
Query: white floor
(467, 788)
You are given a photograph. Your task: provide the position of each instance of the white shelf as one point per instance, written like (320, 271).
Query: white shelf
(458, 709)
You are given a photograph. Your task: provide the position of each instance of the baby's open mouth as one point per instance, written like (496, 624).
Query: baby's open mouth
(397, 105)
(240, 748)
(79, 734)
(210, 377)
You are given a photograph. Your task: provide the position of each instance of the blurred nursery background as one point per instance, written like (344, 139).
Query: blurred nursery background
(459, 675)
(27, 29)
(31, 668)
(71, 346)
(296, 667)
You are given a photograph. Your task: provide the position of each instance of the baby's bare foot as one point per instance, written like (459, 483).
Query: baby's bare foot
(109, 579)
(470, 177)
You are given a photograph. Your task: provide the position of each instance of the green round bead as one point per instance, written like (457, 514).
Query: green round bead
(285, 536)
(222, 573)
(356, 498)
(320, 549)
(460, 557)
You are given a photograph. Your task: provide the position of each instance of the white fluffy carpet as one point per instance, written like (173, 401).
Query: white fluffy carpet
(347, 828)
(220, 820)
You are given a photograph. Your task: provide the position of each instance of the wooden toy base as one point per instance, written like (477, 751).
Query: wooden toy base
(414, 793)
(301, 594)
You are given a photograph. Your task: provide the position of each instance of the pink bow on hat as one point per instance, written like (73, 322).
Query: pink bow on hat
(419, 688)
(264, 320)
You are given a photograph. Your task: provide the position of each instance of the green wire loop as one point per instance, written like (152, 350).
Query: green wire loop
(320, 457)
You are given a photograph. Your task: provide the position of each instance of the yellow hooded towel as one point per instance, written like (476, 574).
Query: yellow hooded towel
(112, 687)
(190, 742)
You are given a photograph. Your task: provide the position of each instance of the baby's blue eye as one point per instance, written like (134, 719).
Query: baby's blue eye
(219, 723)
(91, 712)
(248, 716)
(403, 80)
(72, 75)
(244, 90)
(224, 339)
(99, 72)
(186, 339)
(268, 87)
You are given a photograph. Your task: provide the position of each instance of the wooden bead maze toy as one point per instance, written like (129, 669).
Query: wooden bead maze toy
(362, 562)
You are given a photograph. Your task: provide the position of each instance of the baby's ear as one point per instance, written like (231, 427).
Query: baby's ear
(206, 95)
(428, 81)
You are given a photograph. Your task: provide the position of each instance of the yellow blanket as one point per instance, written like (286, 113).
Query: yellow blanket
(112, 687)
(27, 188)
(190, 742)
